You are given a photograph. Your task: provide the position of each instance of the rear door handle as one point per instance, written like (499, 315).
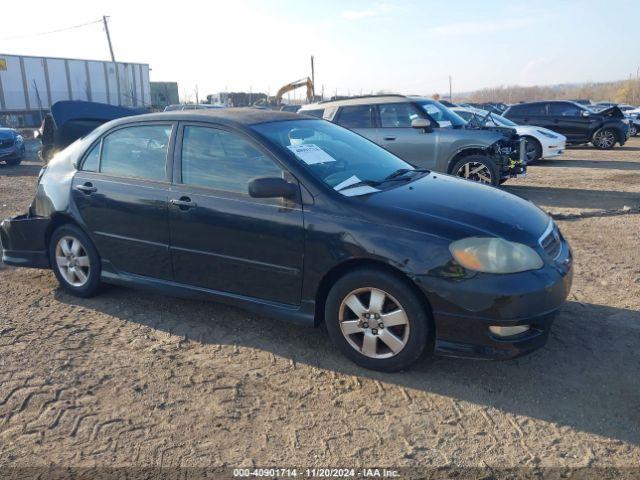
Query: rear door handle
(183, 203)
(86, 188)
(389, 139)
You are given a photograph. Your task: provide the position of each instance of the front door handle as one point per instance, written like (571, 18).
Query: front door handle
(86, 188)
(183, 203)
(389, 139)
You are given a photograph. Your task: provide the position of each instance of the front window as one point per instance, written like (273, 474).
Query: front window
(441, 114)
(222, 160)
(335, 155)
(397, 115)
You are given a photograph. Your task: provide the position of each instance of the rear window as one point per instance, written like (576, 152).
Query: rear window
(139, 151)
(528, 109)
(356, 116)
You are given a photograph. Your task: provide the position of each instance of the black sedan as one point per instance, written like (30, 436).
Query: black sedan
(300, 219)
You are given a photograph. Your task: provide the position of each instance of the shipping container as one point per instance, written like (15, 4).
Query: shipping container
(30, 85)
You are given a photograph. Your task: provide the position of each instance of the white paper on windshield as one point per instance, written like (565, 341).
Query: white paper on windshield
(343, 187)
(311, 154)
(355, 191)
(349, 181)
(444, 123)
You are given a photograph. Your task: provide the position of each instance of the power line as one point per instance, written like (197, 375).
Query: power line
(53, 31)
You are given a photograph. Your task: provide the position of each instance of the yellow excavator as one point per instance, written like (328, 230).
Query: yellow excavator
(277, 100)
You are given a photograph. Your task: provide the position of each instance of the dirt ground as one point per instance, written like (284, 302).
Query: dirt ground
(136, 379)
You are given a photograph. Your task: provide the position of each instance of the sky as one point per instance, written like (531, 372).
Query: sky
(404, 46)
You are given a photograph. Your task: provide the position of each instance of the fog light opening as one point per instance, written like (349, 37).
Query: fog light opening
(508, 331)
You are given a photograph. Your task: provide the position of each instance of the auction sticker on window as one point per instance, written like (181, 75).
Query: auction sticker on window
(311, 154)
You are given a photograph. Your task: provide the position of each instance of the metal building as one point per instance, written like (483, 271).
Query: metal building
(30, 85)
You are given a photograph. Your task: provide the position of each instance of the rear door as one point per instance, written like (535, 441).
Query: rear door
(121, 193)
(360, 119)
(223, 239)
(396, 134)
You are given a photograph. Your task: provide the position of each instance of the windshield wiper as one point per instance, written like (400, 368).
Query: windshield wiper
(361, 183)
(401, 172)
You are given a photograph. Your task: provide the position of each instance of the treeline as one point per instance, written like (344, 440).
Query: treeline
(623, 91)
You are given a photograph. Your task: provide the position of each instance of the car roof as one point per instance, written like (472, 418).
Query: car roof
(368, 100)
(225, 116)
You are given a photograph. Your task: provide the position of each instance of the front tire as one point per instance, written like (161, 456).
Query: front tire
(13, 162)
(604, 139)
(75, 261)
(477, 168)
(377, 320)
(533, 150)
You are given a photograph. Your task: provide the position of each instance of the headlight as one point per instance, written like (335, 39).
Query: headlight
(19, 139)
(546, 134)
(494, 255)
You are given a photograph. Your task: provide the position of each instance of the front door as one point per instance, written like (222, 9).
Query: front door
(121, 192)
(221, 238)
(413, 145)
(566, 118)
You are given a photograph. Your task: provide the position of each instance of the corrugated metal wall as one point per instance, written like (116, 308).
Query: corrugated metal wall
(34, 83)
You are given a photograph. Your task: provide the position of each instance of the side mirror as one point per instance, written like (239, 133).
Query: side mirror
(584, 113)
(423, 124)
(271, 187)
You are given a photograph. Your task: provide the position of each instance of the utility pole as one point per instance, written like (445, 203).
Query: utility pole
(313, 80)
(449, 87)
(106, 29)
(113, 58)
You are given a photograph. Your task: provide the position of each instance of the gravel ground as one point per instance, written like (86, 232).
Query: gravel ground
(136, 379)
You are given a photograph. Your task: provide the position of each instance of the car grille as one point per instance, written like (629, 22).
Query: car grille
(6, 142)
(550, 241)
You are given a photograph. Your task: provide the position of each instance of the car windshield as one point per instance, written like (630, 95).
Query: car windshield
(499, 120)
(340, 158)
(441, 114)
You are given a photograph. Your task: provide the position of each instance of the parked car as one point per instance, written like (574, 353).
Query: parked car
(576, 122)
(304, 220)
(70, 120)
(191, 106)
(541, 142)
(11, 146)
(427, 134)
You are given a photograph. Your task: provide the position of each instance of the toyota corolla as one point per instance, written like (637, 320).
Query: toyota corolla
(303, 220)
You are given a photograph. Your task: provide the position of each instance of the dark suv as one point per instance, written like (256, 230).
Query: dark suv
(576, 122)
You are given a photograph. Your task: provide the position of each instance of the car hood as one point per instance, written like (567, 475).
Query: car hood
(458, 207)
(534, 131)
(613, 112)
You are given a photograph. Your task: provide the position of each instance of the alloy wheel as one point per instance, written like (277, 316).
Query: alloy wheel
(72, 261)
(374, 323)
(475, 171)
(605, 139)
(531, 152)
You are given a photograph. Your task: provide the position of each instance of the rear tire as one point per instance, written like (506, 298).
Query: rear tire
(477, 168)
(604, 139)
(376, 320)
(74, 261)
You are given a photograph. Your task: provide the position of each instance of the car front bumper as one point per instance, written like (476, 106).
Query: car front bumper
(464, 309)
(553, 148)
(23, 241)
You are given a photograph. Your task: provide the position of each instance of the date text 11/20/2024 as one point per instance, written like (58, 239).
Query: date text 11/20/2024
(316, 472)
